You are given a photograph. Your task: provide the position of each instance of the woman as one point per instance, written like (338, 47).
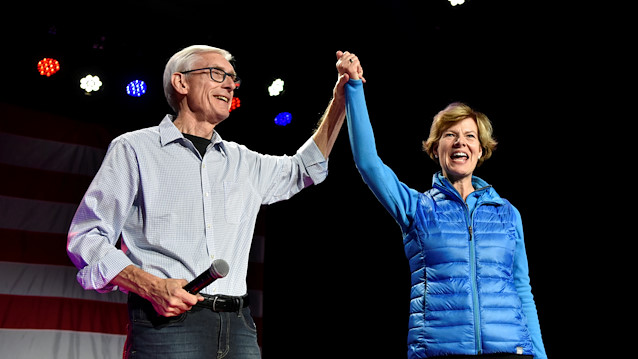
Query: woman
(470, 285)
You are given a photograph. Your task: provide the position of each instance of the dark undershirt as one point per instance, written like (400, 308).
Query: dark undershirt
(200, 143)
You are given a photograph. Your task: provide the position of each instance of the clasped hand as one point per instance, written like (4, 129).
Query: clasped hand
(349, 67)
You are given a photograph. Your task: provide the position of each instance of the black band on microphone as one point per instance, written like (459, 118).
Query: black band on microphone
(219, 269)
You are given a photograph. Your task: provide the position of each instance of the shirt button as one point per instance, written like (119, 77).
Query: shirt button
(208, 226)
(206, 194)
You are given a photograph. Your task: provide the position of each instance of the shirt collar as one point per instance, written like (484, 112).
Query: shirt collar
(218, 143)
(217, 139)
(169, 133)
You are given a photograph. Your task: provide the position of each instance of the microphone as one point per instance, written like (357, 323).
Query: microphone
(217, 270)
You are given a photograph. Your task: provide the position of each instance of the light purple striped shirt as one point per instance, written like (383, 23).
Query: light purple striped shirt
(176, 211)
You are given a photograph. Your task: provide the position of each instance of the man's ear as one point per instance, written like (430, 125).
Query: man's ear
(178, 80)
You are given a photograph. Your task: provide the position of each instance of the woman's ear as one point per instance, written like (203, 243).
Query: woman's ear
(178, 80)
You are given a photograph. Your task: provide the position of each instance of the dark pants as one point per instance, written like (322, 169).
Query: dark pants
(197, 334)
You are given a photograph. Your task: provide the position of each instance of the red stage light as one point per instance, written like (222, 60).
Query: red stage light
(235, 103)
(48, 66)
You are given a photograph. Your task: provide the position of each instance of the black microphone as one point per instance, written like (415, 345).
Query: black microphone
(217, 270)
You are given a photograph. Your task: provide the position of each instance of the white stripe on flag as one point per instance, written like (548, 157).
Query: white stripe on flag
(37, 216)
(48, 281)
(58, 344)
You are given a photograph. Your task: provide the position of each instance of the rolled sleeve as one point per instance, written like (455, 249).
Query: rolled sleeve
(98, 221)
(98, 277)
(281, 177)
(315, 164)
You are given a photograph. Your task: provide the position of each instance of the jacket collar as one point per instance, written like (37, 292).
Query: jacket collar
(484, 189)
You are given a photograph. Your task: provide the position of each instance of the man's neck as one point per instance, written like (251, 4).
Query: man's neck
(186, 123)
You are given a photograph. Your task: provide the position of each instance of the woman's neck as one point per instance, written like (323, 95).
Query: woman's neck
(463, 185)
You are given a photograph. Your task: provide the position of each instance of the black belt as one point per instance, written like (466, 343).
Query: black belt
(223, 303)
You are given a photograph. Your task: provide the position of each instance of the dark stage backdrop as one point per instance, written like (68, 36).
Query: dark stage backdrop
(335, 279)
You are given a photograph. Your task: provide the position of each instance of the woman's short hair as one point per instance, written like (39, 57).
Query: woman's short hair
(455, 112)
(182, 61)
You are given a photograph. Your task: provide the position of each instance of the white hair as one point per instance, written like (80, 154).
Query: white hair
(182, 61)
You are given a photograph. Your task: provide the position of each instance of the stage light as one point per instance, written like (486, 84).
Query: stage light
(90, 83)
(457, 2)
(48, 66)
(283, 119)
(136, 88)
(276, 88)
(235, 103)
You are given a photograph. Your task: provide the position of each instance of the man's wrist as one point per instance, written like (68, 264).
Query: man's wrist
(134, 279)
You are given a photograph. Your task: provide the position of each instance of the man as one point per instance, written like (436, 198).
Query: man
(181, 197)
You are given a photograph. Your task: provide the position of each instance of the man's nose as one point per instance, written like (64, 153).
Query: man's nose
(229, 83)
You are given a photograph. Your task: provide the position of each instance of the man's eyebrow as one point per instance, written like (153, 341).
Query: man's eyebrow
(218, 67)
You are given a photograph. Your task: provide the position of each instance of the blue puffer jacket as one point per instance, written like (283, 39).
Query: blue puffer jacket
(471, 291)
(464, 300)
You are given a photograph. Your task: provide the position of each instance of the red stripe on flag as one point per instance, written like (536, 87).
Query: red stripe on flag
(25, 312)
(42, 185)
(33, 247)
(27, 122)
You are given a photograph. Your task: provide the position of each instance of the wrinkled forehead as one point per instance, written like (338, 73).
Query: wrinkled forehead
(467, 124)
(213, 59)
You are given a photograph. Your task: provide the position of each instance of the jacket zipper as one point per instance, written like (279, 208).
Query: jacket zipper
(475, 300)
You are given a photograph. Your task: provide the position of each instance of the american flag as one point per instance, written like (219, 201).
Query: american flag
(46, 164)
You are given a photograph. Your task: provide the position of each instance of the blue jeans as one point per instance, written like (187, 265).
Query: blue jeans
(197, 334)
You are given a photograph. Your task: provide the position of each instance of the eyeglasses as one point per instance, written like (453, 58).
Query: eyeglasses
(218, 75)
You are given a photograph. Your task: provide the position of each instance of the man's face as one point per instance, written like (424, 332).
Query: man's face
(206, 98)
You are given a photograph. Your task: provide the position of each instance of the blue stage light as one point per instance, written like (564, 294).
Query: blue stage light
(283, 119)
(136, 88)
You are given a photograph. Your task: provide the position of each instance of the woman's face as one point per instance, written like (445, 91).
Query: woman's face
(459, 149)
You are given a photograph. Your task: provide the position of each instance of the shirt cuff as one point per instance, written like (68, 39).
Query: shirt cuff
(315, 164)
(99, 276)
